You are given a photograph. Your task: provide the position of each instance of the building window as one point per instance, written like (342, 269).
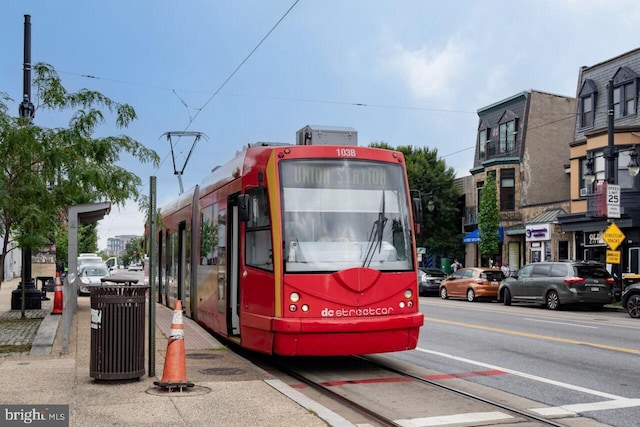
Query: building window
(624, 100)
(625, 92)
(479, 186)
(586, 112)
(588, 97)
(507, 136)
(507, 190)
(482, 142)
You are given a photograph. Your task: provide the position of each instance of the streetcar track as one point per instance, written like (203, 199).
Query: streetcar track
(511, 409)
(324, 388)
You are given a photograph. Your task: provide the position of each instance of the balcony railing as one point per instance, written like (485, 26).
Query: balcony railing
(494, 150)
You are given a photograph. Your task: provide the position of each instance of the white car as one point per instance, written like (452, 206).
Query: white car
(135, 267)
(90, 275)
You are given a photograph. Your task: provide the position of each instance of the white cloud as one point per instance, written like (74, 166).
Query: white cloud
(127, 220)
(429, 73)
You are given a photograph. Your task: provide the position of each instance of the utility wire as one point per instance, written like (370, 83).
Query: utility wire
(192, 119)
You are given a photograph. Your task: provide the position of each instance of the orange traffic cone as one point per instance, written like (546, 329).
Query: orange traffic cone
(57, 296)
(174, 374)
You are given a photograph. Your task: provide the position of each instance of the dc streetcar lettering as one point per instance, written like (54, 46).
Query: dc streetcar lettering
(346, 312)
(303, 250)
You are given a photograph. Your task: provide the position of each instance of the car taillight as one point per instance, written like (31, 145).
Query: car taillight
(479, 281)
(572, 281)
(610, 281)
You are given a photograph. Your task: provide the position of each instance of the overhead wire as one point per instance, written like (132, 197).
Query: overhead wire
(233, 73)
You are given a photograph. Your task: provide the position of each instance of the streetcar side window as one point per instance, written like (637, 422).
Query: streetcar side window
(258, 250)
(208, 236)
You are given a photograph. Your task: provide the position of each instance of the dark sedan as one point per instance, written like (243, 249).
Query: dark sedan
(429, 280)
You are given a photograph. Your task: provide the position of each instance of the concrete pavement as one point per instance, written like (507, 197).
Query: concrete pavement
(228, 391)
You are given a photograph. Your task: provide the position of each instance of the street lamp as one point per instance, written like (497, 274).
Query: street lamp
(633, 166)
(589, 175)
(430, 204)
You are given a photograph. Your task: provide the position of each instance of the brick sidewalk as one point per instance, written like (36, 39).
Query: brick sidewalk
(17, 334)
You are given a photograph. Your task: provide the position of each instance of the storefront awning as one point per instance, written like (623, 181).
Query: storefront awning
(474, 236)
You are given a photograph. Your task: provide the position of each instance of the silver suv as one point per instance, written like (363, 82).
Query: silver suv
(557, 283)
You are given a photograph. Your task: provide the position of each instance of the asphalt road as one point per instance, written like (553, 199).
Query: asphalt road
(574, 360)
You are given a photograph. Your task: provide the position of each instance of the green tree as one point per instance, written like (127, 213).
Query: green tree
(46, 170)
(489, 218)
(87, 242)
(431, 177)
(134, 249)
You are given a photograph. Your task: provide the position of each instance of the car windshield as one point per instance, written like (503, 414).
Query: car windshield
(96, 272)
(345, 213)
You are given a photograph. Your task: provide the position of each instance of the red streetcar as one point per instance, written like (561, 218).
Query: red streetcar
(298, 250)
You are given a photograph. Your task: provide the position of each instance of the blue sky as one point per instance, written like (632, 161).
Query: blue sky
(406, 72)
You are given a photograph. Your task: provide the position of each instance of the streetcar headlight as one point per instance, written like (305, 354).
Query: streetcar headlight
(294, 297)
(408, 294)
(292, 308)
(305, 307)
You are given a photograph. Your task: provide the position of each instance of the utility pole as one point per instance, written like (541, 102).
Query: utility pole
(611, 154)
(27, 110)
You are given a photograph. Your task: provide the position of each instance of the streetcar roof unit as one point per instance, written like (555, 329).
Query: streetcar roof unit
(327, 135)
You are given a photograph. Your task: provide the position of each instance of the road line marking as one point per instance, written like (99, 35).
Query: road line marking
(587, 407)
(536, 336)
(472, 417)
(525, 375)
(561, 323)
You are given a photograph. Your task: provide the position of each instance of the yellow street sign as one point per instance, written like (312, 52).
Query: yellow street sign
(613, 257)
(613, 236)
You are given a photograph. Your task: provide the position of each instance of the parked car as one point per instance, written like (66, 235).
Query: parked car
(90, 275)
(472, 283)
(429, 280)
(557, 283)
(135, 267)
(631, 300)
(86, 259)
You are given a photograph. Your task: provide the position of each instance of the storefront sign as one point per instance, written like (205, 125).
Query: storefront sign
(537, 232)
(593, 239)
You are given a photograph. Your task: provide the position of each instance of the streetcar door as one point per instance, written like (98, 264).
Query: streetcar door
(181, 261)
(160, 268)
(233, 266)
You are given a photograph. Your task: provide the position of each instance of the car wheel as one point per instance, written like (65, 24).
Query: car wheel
(633, 306)
(443, 293)
(507, 297)
(471, 296)
(552, 300)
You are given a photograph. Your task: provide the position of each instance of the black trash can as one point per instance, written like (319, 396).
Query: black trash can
(117, 331)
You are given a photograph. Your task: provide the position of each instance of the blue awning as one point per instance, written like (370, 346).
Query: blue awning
(471, 237)
(474, 236)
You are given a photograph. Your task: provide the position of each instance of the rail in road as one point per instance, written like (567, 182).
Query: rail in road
(382, 391)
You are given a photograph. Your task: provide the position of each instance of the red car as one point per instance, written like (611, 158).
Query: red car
(472, 283)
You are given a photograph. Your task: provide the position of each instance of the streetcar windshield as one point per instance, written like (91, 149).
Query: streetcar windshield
(345, 213)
